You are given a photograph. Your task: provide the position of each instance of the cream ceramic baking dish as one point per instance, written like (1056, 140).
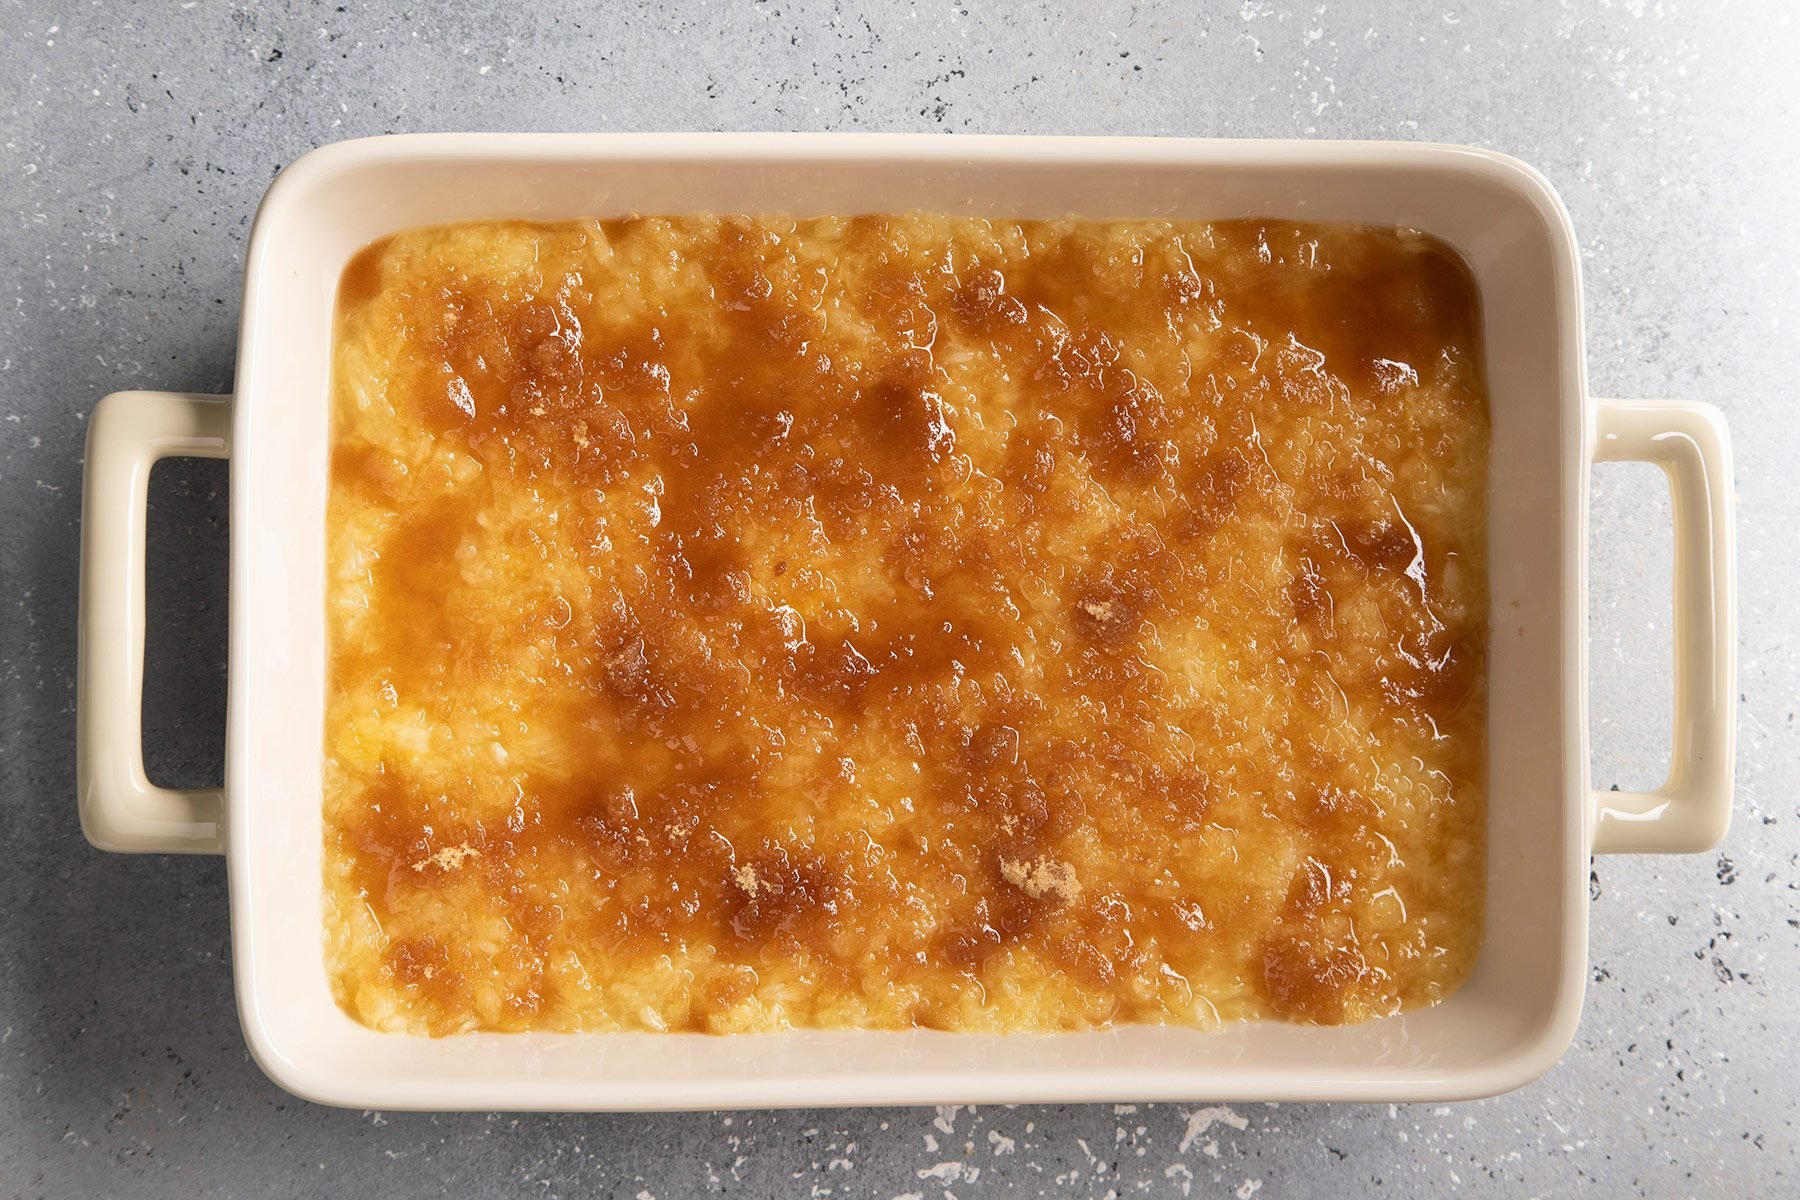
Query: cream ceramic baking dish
(1507, 1025)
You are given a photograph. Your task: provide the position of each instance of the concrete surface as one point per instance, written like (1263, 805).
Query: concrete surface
(134, 143)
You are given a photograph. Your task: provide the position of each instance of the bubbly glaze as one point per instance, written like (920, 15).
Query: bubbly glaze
(903, 621)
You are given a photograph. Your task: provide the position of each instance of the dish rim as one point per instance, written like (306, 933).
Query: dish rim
(1530, 1059)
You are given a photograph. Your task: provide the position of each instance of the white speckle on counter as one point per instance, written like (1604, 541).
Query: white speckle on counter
(1203, 1119)
(951, 1172)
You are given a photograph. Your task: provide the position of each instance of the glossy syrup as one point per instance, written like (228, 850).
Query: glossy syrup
(894, 621)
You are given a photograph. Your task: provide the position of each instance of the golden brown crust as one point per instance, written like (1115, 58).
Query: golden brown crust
(903, 620)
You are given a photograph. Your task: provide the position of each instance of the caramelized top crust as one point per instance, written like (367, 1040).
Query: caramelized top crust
(904, 620)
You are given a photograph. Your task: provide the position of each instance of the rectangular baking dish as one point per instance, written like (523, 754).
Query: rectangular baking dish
(1507, 1025)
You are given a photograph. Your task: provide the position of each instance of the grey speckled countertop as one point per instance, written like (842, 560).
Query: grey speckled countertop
(135, 142)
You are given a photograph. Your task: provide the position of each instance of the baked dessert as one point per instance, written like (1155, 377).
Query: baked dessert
(748, 622)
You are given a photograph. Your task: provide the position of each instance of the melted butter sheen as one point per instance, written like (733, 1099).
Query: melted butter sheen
(903, 621)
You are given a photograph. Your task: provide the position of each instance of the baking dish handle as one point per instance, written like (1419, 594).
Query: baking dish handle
(120, 808)
(1691, 811)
